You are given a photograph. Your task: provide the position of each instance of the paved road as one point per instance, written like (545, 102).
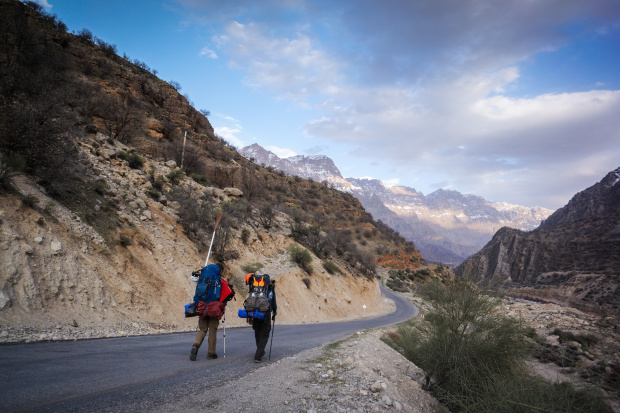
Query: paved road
(138, 373)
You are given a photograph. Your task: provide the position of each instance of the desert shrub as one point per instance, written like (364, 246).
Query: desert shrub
(197, 217)
(134, 161)
(306, 281)
(201, 179)
(301, 257)
(266, 215)
(118, 114)
(330, 267)
(234, 213)
(473, 356)
(253, 267)
(175, 175)
(245, 235)
(30, 201)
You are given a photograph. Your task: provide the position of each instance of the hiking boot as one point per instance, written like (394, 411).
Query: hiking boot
(194, 353)
(258, 360)
(212, 356)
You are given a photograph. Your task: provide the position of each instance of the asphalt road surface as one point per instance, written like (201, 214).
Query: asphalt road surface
(137, 373)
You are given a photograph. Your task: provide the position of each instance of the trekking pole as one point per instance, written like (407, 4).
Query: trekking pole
(224, 322)
(272, 330)
(217, 222)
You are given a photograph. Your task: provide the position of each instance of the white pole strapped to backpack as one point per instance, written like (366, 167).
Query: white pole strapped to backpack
(217, 222)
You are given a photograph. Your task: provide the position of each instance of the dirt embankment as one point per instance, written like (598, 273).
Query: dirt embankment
(60, 280)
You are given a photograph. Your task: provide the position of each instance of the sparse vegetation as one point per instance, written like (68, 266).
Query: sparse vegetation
(474, 357)
(134, 161)
(245, 236)
(252, 268)
(175, 176)
(330, 267)
(301, 257)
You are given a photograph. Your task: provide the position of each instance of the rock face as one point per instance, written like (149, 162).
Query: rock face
(572, 258)
(446, 226)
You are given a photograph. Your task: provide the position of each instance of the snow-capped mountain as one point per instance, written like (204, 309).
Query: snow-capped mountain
(445, 226)
(316, 167)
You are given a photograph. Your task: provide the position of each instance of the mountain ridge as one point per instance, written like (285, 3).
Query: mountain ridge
(446, 226)
(572, 258)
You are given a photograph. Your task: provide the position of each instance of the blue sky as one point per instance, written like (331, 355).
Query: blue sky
(515, 101)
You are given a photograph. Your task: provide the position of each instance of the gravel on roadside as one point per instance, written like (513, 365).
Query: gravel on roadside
(357, 374)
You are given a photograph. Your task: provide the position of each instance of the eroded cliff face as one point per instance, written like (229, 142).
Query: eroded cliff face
(572, 259)
(57, 273)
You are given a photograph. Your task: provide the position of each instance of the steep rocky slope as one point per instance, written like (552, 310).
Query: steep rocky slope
(572, 258)
(57, 271)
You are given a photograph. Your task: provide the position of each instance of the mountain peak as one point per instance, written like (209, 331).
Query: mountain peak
(316, 167)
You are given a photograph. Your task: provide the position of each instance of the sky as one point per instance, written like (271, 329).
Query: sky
(513, 100)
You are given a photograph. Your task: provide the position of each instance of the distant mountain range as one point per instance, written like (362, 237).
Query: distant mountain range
(573, 258)
(446, 226)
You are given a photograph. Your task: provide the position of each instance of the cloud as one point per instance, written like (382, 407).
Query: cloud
(391, 182)
(230, 135)
(433, 88)
(45, 4)
(281, 152)
(292, 67)
(208, 52)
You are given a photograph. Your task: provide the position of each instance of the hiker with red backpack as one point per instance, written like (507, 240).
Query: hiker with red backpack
(210, 299)
(260, 309)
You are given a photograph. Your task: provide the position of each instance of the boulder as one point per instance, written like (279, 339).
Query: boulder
(233, 192)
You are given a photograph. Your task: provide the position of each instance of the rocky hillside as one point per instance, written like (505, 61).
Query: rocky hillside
(573, 258)
(105, 208)
(446, 226)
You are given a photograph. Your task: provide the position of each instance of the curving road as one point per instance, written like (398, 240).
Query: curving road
(138, 373)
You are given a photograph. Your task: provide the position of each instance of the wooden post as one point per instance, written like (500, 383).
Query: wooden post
(183, 152)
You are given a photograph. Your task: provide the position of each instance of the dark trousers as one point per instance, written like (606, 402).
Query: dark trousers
(261, 334)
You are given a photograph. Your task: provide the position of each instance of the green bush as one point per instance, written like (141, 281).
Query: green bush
(134, 160)
(474, 357)
(253, 267)
(175, 175)
(301, 257)
(201, 179)
(330, 267)
(245, 235)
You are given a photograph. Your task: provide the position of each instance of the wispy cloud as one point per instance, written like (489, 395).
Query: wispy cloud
(230, 135)
(281, 152)
(208, 52)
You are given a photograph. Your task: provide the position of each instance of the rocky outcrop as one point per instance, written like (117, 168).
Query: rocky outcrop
(572, 258)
